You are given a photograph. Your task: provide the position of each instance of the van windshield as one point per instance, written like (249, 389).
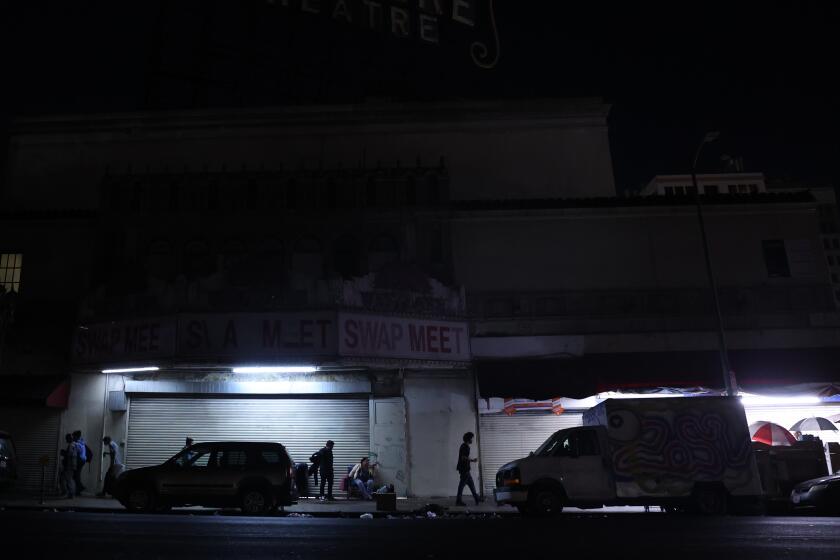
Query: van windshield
(548, 448)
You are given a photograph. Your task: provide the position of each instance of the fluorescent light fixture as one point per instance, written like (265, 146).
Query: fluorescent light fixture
(762, 400)
(131, 369)
(275, 369)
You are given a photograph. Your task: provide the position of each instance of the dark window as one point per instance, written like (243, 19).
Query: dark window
(753, 188)
(733, 189)
(411, 191)
(775, 257)
(835, 243)
(330, 194)
(691, 190)
(835, 279)
(588, 443)
(370, 193)
(436, 249)
(233, 458)
(827, 243)
(669, 191)
(830, 260)
(270, 457)
(711, 190)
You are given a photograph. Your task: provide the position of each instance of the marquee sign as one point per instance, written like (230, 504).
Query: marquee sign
(271, 337)
(404, 19)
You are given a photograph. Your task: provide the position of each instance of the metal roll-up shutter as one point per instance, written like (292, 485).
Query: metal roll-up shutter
(35, 433)
(505, 438)
(157, 426)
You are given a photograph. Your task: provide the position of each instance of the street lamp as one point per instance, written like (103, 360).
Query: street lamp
(729, 381)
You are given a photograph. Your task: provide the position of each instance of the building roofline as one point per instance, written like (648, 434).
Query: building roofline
(593, 110)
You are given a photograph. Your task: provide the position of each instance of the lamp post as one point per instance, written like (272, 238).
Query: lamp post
(729, 381)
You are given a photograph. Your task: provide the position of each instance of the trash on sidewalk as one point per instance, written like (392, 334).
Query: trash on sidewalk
(295, 514)
(434, 508)
(366, 516)
(430, 515)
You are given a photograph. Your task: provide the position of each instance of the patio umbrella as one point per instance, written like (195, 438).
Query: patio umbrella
(814, 424)
(834, 417)
(770, 433)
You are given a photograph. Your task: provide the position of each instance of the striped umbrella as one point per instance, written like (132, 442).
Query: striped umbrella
(814, 424)
(770, 433)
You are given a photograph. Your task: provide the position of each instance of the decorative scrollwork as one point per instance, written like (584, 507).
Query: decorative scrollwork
(480, 52)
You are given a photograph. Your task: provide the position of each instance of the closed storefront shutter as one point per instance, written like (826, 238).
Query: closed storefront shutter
(505, 438)
(157, 426)
(35, 433)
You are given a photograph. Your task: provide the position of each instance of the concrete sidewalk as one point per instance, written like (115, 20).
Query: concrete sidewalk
(305, 506)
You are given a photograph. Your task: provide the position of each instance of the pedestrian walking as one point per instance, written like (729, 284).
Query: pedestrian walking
(463, 468)
(69, 457)
(325, 465)
(81, 450)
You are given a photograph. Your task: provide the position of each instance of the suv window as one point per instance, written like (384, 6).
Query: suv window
(233, 457)
(270, 457)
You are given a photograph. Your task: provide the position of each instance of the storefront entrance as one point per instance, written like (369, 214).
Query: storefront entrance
(157, 426)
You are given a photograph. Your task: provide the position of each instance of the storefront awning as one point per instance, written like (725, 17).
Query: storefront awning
(755, 370)
(34, 390)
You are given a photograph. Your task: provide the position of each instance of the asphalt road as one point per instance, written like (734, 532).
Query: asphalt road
(36, 534)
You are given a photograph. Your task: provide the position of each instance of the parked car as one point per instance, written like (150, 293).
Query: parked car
(8, 459)
(819, 494)
(254, 476)
(677, 453)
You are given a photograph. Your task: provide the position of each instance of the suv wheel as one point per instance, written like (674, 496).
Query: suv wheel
(544, 502)
(141, 499)
(255, 501)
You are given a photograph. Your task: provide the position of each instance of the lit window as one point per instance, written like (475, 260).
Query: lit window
(10, 265)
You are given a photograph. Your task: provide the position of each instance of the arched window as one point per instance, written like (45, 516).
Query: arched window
(346, 256)
(308, 259)
(383, 250)
(197, 259)
(160, 262)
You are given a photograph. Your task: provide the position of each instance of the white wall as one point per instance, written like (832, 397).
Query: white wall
(441, 407)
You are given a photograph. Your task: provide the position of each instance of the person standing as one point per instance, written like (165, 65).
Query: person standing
(69, 457)
(114, 465)
(325, 465)
(186, 458)
(463, 468)
(81, 450)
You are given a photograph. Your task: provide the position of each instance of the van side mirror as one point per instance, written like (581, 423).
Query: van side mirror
(531, 454)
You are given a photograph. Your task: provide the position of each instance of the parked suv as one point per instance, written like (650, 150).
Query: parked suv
(254, 476)
(8, 459)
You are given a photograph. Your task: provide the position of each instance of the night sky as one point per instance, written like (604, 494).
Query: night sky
(762, 74)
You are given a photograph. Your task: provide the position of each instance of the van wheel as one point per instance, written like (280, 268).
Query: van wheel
(710, 501)
(544, 502)
(255, 502)
(140, 499)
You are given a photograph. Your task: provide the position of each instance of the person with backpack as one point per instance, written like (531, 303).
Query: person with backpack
(69, 458)
(84, 455)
